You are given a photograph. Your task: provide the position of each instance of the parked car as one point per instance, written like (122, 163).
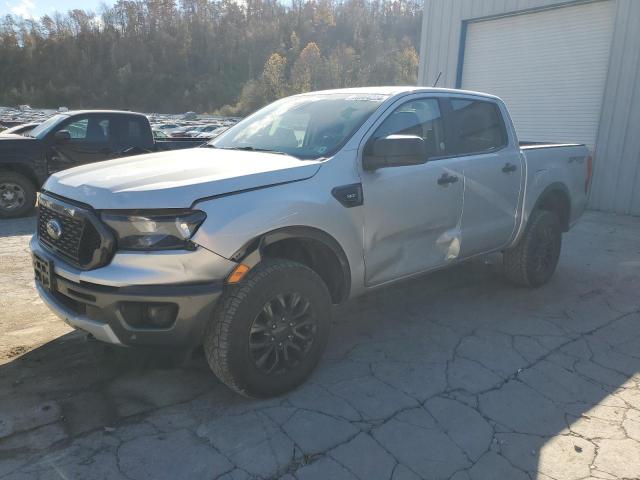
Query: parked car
(194, 131)
(159, 134)
(244, 246)
(209, 134)
(67, 140)
(180, 132)
(20, 129)
(167, 126)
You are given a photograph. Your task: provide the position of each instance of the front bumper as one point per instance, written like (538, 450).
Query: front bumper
(101, 309)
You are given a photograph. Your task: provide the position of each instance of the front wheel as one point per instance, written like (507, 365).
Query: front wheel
(268, 333)
(533, 260)
(17, 195)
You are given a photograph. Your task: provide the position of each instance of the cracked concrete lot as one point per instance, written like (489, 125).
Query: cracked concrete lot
(457, 375)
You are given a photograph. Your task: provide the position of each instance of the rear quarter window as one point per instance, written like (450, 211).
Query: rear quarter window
(477, 127)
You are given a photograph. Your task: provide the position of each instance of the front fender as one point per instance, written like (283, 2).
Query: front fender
(30, 159)
(234, 221)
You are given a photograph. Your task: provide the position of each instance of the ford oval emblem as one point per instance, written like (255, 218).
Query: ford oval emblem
(54, 228)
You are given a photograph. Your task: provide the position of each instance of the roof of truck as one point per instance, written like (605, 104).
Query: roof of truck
(397, 90)
(118, 112)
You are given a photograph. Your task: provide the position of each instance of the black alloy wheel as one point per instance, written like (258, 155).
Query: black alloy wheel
(546, 250)
(282, 334)
(268, 332)
(533, 260)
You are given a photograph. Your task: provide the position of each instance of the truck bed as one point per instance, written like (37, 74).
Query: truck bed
(549, 164)
(534, 145)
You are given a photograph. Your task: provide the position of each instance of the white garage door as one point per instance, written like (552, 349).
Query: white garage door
(549, 67)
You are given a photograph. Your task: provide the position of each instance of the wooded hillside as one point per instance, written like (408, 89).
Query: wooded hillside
(203, 55)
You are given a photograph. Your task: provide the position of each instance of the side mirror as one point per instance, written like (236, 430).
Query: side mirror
(62, 136)
(394, 151)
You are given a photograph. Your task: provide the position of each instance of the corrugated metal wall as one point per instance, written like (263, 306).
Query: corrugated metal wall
(616, 185)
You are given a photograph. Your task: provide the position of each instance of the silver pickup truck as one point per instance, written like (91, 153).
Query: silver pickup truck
(242, 246)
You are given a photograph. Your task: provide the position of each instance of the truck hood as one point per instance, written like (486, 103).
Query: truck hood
(16, 148)
(175, 179)
(11, 139)
(12, 136)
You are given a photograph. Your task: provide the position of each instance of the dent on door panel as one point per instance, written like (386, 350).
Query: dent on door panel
(419, 233)
(392, 254)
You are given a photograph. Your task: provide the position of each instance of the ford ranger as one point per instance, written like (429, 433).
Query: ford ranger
(68, 140)
(243, 246)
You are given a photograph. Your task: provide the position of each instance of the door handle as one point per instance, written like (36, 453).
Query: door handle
(446, 179)
(509, 168)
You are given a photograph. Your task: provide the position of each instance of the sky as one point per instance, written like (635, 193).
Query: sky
(38, 8)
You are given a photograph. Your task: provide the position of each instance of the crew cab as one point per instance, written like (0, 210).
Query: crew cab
(67, 140)
(244, 246)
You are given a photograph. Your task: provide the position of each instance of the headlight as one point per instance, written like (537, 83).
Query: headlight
(154, 230)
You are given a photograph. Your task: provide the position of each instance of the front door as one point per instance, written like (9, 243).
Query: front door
(412, 213)
(89, 142)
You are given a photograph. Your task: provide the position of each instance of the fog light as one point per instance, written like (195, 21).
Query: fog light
(149, 315)
(161, 315)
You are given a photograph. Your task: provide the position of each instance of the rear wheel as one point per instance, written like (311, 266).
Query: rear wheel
(533, 260)
(17, 195)
(269, 332)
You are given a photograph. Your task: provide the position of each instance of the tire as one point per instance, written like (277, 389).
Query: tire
(533, 260)
(262, 315)
(17, 195)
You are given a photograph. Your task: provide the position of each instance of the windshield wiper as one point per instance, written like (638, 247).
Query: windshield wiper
(254, 149)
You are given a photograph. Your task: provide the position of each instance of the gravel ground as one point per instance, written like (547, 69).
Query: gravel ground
(456, 375)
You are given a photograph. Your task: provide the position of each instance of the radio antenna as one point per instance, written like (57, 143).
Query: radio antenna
(437, 79)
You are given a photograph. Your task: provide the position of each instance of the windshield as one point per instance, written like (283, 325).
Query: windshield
(306, 126)
(42, 129)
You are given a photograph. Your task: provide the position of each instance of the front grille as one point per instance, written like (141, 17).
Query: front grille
(68, 245)
(82, 241)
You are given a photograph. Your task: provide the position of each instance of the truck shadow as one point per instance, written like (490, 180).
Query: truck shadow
(18, 226)
(506, 377)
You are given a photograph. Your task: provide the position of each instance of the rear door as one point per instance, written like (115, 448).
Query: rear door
(412, 213)
(493, 170)
(89, 142)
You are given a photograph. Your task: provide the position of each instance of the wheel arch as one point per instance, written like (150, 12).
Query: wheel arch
(310, 246)
(556, 198)
(22, 169)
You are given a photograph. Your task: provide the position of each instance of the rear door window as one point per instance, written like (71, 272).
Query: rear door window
(476, 127)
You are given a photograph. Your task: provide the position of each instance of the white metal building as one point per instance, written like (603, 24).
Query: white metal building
(569, 71)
